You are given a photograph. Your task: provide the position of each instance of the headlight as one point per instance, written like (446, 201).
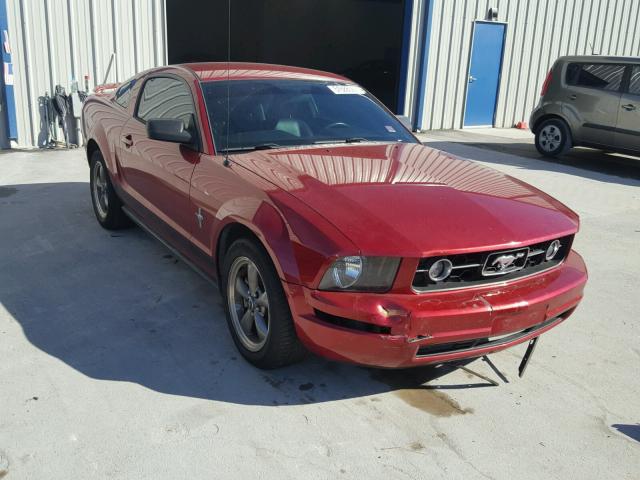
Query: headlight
(346, 271)
(364, 274)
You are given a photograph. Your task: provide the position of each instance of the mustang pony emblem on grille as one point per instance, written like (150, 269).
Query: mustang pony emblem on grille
(503, 262)
(500, 263)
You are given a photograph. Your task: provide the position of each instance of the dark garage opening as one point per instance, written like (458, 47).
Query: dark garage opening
(361, 39)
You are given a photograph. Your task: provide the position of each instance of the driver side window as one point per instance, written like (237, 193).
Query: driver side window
(165, 97)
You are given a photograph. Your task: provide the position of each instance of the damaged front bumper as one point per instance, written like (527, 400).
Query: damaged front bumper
(402, 330)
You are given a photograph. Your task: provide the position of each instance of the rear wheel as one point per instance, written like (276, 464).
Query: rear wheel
(106, 204)
(257, 309)
(553, 138)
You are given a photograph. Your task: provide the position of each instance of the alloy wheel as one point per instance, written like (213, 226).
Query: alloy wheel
(550, 138)
(248, 304)
(100, 189)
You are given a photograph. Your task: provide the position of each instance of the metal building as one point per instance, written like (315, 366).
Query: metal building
(59, 42)
(483, 62)
(444, 63)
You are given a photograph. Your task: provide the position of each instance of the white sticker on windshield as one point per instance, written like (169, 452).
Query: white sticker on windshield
(346, 89)
(390, 129)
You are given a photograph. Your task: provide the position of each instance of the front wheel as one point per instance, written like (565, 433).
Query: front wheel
(257, 309)
(553, 138)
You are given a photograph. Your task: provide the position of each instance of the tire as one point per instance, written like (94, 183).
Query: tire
(553, 138)
(106, 204)
(258, 313)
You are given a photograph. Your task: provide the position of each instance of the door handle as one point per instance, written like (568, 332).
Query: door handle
(472, 79)
(629, 107)
(573, 97)
(127, 140)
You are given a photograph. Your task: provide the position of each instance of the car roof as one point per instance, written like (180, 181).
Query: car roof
(216, 71)
(600, 59)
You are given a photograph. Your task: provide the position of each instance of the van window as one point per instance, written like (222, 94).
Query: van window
(602, 76)
(634, 82)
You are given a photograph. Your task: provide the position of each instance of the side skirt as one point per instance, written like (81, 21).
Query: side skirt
(173, 250)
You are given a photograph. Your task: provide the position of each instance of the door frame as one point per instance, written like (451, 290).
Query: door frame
(469, 58)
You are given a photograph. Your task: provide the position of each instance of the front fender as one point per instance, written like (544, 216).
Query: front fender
(299, 240)
(301, 244)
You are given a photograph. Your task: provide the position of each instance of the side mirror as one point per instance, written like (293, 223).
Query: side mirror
(406, 121)
(168, 130)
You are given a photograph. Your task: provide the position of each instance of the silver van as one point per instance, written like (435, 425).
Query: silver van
(589, 101)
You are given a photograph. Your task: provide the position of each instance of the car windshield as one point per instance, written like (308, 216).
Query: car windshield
(274, 113)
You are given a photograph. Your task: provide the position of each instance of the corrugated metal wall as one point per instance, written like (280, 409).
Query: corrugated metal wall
(413, 56)
(538, 32)
(57, 41)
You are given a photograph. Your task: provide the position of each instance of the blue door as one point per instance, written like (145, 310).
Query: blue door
(484, 74)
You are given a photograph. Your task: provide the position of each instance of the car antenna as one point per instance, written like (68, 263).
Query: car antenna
(226, 161)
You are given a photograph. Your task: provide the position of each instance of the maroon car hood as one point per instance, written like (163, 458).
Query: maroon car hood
(412, 200)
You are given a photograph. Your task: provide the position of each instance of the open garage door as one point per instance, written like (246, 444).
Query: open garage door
(361, 39)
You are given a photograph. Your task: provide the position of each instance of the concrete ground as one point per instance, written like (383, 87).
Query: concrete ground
(115, 361)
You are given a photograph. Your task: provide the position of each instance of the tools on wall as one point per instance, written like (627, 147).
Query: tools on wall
(61, 111)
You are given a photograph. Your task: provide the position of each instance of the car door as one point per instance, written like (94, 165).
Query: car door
(157, 174)
(592, 98)
(628, 127)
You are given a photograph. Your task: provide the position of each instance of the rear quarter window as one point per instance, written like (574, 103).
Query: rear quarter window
(123, 94)
(601, 76)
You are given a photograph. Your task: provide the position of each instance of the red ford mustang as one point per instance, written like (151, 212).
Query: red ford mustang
(324, 221)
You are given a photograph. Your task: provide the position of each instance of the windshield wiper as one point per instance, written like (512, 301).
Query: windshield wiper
(342, 140)
(251, 148)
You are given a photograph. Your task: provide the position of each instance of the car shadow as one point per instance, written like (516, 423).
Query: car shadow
(118, 306)
(583, 162)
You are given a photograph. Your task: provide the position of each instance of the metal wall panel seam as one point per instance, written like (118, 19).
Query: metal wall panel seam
(633, 51)
(164, 32)
(456, 119)
(523, 113)
(506, 76)
(51, 48)
(115, 29)
(621, 23)
(404, 55)
(94, 59)
(414, 49)
(434, 92)
(154, 31)
(72, 41)
(424, 64)
(134, 20)
(511, 57)
(446, 111)
(27, 74)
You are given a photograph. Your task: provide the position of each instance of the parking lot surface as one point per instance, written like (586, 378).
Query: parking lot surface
(115, 360)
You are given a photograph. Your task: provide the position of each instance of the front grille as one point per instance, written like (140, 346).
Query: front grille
(476, 269)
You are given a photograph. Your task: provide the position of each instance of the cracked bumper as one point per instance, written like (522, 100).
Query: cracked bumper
(455, 324)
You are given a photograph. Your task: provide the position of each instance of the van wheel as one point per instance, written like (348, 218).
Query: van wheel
(257, 308)
(553, 138)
